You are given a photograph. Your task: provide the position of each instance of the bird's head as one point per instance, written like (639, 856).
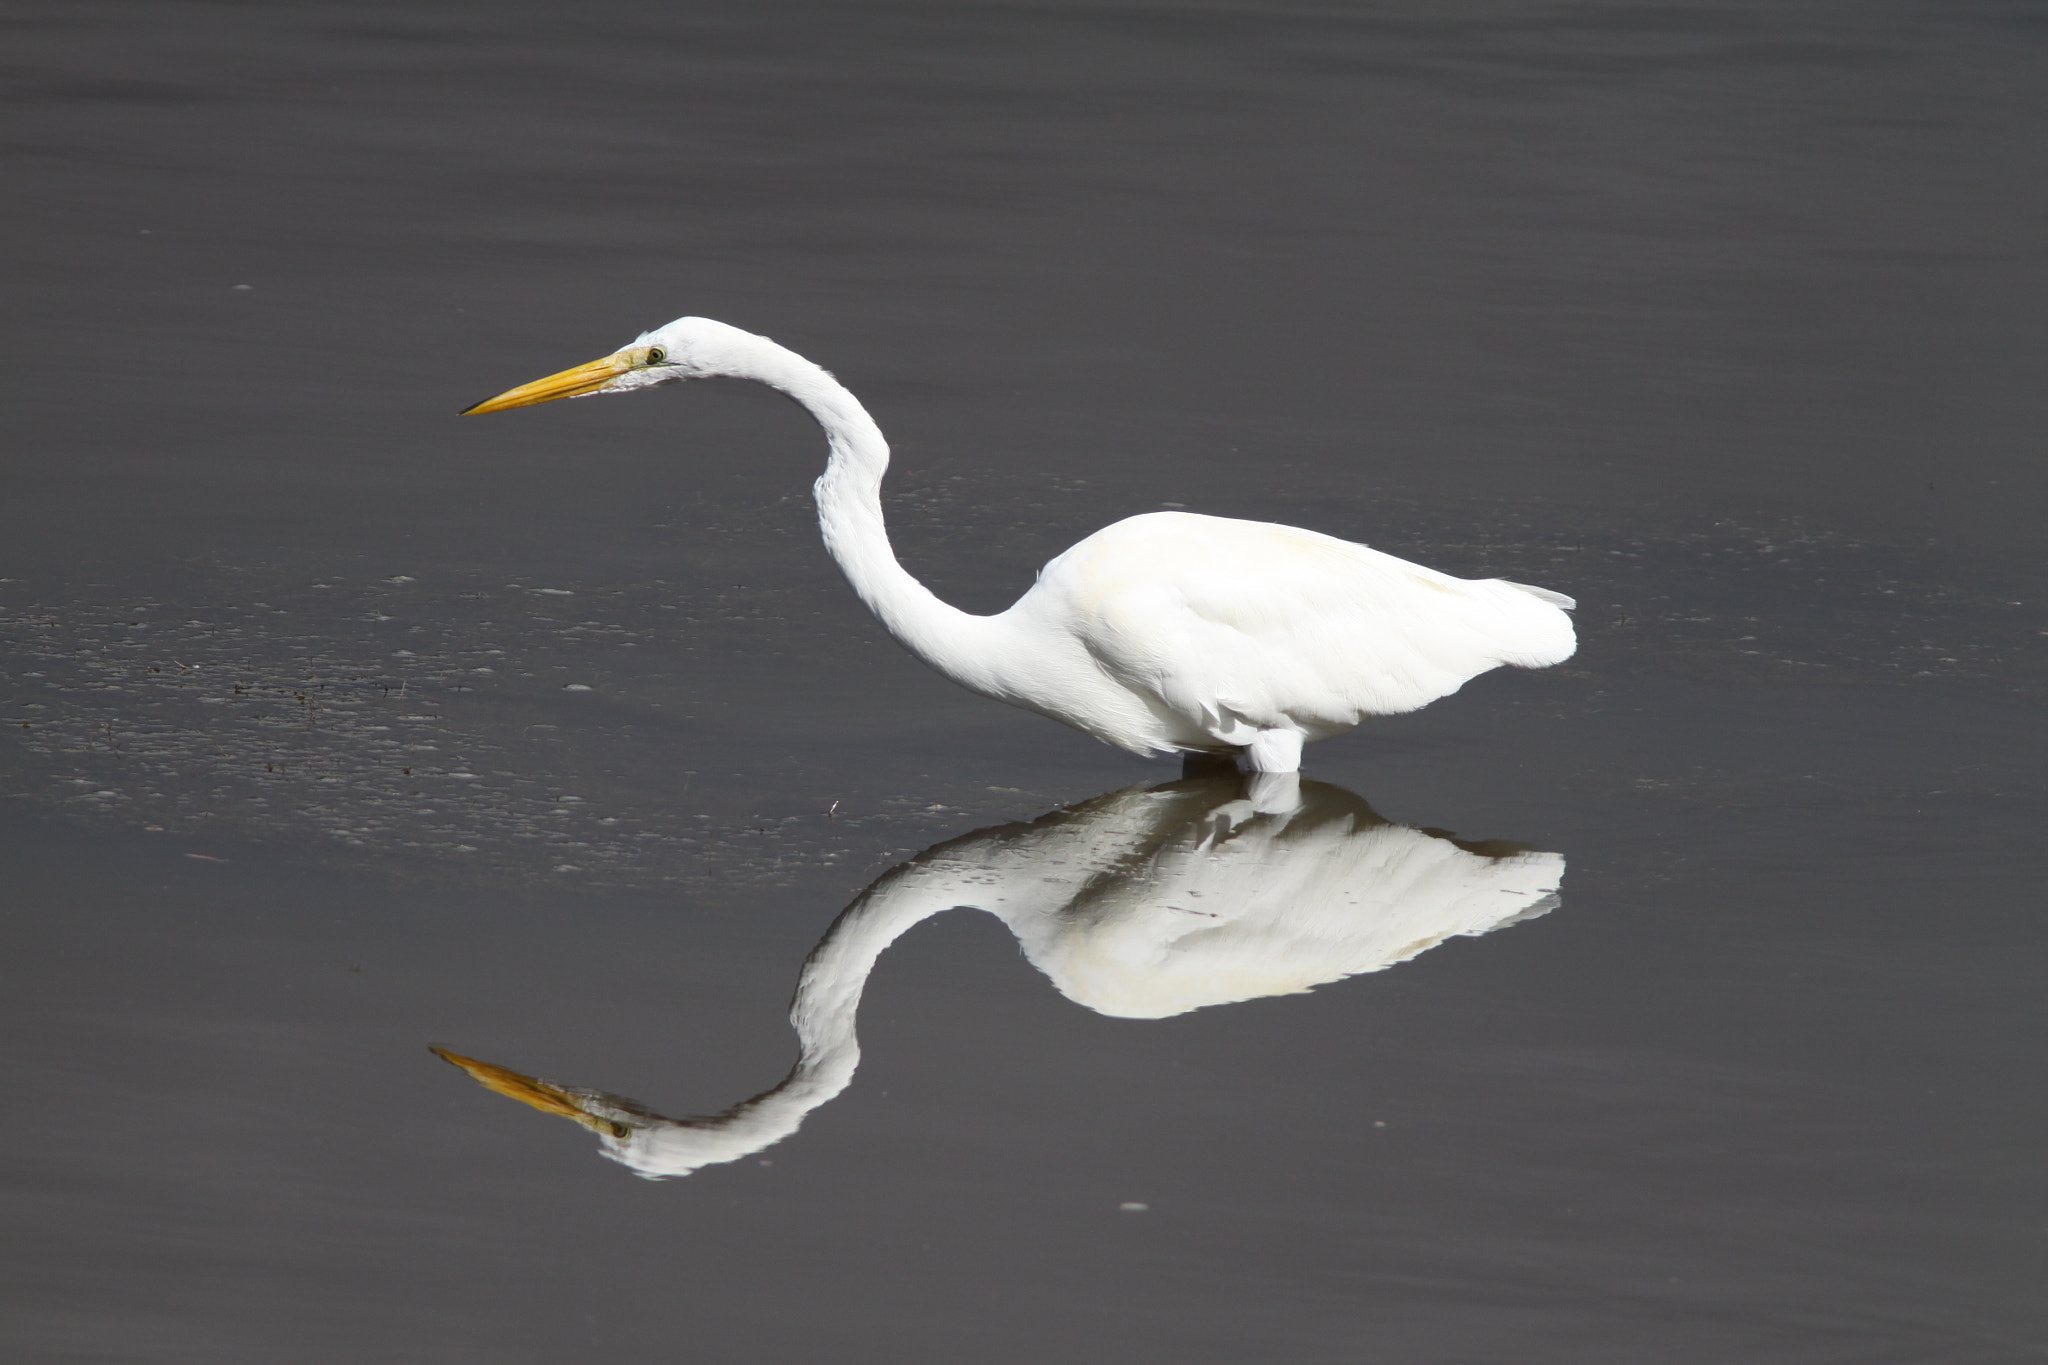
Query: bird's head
(633, 1135)
(688, 348)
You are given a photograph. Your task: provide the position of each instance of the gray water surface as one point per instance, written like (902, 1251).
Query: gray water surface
(333, 727)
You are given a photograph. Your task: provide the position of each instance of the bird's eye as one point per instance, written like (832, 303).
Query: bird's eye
(656, 354)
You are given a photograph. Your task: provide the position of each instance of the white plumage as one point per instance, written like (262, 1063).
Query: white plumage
(1142, 903)
(1169, 632)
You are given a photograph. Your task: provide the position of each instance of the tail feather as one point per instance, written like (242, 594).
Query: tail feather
(1556, 599)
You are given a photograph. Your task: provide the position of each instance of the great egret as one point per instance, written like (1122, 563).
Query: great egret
(1141, 904)
(1167, 632)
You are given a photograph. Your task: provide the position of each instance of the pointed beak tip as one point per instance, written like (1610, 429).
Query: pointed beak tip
(571, 383)
(528, 1090)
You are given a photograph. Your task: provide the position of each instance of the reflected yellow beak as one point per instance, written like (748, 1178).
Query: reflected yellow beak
(549, 1099)
(568, 384)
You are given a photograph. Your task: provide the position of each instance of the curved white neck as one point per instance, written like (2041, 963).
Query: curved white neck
(824, 1012)
(827, 1003)
(849, 495)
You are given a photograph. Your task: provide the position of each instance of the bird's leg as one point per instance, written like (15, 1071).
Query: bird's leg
(1194, 763)
(1275, 751)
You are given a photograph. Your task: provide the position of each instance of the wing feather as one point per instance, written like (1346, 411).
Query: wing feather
(1252, 625)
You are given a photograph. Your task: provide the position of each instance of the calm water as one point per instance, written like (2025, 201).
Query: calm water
(1680, 1004)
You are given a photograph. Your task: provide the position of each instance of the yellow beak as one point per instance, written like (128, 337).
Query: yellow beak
(568, 384)
(549, 1099)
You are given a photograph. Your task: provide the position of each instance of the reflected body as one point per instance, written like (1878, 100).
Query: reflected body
(1164, 633)
(1142, 903)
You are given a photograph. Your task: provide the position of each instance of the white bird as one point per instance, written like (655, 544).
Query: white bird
(1139, 904)
(1167, 632)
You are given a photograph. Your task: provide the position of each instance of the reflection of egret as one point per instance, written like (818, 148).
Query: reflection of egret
(1163, 633)
(1141, 903)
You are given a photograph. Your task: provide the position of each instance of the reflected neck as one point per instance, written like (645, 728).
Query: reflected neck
(827, 1003)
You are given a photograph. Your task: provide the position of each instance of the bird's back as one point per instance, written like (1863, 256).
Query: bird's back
(1233, 624)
